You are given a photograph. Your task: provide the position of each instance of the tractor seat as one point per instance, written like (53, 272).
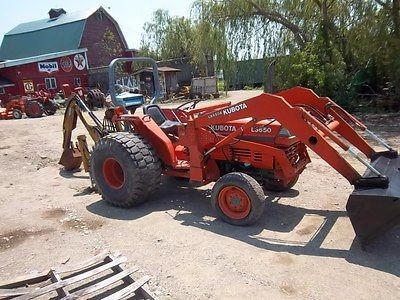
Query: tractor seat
(168, 126)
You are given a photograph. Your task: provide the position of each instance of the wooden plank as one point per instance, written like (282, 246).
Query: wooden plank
(100, 285)
(116, 269)
(5, 293)
(39, 277)
(129, 290)
(56, 278)
(82, 266)
(24, 280)
(72, 280)
(144, 290)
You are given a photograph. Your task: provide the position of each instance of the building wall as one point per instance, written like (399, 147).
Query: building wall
(188, 71)
(102, 40)
(30, 73)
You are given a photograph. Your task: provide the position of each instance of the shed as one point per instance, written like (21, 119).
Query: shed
(168, 80)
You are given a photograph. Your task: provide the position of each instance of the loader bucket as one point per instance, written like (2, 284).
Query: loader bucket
(373, 210)
(71, 159)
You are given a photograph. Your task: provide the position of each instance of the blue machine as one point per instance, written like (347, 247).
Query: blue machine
(129, 100)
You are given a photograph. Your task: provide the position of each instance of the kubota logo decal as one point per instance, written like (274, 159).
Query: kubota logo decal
(223, 127)
(229, 110)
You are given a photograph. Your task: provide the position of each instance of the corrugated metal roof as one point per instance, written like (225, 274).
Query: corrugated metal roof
(47, 23)
(160, 69)
(49, 35)
(54, 39)
(45, 36)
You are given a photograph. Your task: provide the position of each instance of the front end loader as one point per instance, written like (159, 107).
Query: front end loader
(246, 148)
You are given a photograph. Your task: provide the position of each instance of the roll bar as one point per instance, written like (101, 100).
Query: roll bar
(111, 77)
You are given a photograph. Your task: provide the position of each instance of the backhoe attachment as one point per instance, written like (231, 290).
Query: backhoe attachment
(72, 155)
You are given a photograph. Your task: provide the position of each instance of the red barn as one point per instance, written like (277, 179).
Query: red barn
(73, 48)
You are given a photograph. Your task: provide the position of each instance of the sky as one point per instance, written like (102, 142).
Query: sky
(130, 15)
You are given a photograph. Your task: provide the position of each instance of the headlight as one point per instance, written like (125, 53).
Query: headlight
(284, 132)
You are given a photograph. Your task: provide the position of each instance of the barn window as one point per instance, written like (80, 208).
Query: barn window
(50, 83)
(77, 81)
(2, 91)
(99, 16)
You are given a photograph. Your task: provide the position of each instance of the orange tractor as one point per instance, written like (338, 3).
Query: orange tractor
(34, 106)
(245, 148)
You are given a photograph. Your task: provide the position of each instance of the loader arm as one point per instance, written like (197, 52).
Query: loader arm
(289, 111)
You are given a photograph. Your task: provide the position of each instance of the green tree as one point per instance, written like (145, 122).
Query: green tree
(167, 37)
(328, 45)
(318, 43)
(110, 47)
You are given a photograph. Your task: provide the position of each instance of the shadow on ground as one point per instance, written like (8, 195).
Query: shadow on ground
(192, 208)
(73, 174)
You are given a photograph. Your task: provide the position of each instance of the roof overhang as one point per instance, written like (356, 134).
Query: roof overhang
(33, 59)
(6, 85)
(4, 82)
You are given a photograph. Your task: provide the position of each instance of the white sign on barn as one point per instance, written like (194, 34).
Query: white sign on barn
(48, 66)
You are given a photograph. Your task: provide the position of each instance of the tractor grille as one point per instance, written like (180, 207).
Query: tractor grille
(292, 153)
(108, 126)
(258, 156)
(245, 153)
(241, 153)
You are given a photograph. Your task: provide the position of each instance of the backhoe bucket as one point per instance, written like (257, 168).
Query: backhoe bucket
(373, 211)
(71, 159)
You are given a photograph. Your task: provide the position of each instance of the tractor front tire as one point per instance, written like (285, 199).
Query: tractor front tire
(125, 169)
(238, 199)
(17, 114)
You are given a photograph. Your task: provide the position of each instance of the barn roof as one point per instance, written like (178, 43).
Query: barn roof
(48, 35)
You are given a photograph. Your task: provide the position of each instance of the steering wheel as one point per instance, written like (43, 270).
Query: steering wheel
(191, 104)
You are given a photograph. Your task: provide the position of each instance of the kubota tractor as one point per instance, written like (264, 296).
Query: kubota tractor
(242, 147)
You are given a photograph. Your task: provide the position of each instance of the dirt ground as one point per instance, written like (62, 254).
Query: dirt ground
(303, 247)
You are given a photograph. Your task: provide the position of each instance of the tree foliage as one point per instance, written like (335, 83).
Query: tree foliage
(327, 45)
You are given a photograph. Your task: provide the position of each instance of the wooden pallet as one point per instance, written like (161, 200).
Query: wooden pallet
(102, 277)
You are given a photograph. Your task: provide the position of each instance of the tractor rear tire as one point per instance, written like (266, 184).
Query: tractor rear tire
(125, 169)
(277, 186)
(17, 114)
(34, 109)
(238, 199)
(95, 99)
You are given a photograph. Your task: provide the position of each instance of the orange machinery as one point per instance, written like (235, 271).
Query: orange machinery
(244, 147)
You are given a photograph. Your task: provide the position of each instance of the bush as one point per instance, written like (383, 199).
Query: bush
(322, 71)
